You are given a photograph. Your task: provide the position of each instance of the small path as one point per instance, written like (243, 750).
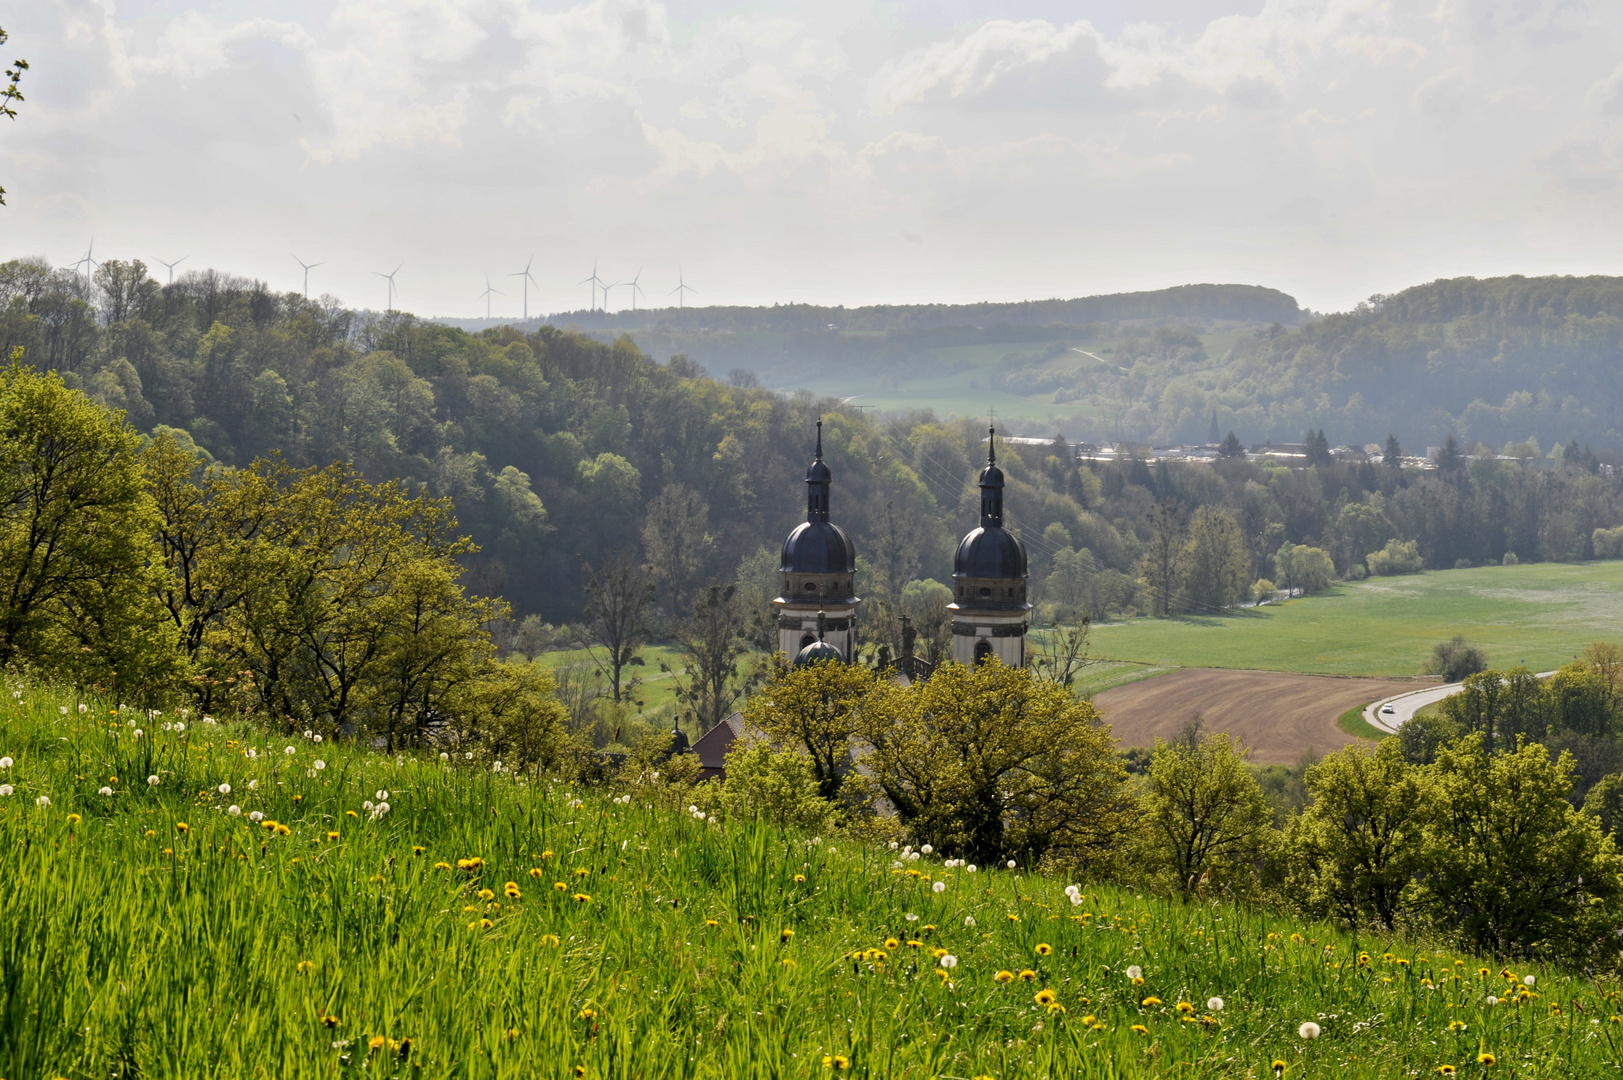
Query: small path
(1404, 706)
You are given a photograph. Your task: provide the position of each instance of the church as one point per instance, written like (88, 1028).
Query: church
(818, 605)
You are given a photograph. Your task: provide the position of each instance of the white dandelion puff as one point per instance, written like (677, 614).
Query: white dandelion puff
(290, 751)
(940, 886)
(1308, 1030)
(969, 920)
(1530, 981)
(1214, 1004)
(927, 849)
(152, 781)
(320, 764)
(949, 961)
(1011, 864)
(6, 789)
(6, 763)
(234, 811)
(1135, 972)
(910, 917)
(256, 816)
(104, 791)
(224, 789)
(43, 800)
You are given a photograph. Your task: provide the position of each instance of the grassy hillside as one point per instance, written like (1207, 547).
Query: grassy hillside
(490, 927)
(1538, 614)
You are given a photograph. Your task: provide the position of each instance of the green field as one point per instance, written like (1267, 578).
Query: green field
(488, 926)
(1540, 615)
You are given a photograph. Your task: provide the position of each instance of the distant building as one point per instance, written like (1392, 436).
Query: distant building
(818, 569)
(989, 608)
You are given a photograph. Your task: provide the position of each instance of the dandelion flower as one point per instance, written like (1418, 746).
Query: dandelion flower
(1139, 1029)
(152, 781)
(6, 763)
(1044, 949)
(43, 800)
(330, 1021)
(256, 816)
(224, 789)
(1186, 1008)
(800, 879)
(305, 967)
(1279, 1068)
(971, 868)
(1308, 1030)
(949, 961)
(1072, 890)
(1214, 1004)
(582, 898)
(1135, 972)
(382, 795)
(1149, 1001)
(910, 917)
(1445, 1070)
(485, 894)
(969, 920)
(1011, 864)
(74, 819)
(289, 751)
(444, 756)
(1530, 981)
(926, 848)
(712, 922)
(1004, 977)
(892, 943)
(1486, 1059)
(940, 886)
(1492, 1000)
(376, 1042)
(6, 789)
(836, 1061)
(1456, 1025)
(1027, 975)
(319, 764)
(1045, 997)
(511, 890)
(104, 791)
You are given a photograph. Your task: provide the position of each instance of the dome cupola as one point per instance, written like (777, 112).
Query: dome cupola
(819, 570)
(989, 581)
(818, 546)
(991, 551)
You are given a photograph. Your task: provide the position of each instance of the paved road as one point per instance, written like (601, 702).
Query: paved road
(1404, 706)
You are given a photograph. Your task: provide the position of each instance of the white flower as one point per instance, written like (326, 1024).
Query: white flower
(1071, 890)
(469, 755)
(897, 865)
(179, 726)
(444, 756)
(927, 849)
(234, 811)
(1011, 864)
(311, 773)
(367, 805)
(256, 816)
(1308, 1030)
(693, 809)
(137, 733)
(6, 763)
(250, 753)
(1076, 899)
(971, 868)
(83, 708)
(253, 785)
(6, 789)
(381, 795)
(16, 694)
(893, 845)
(910, 917)
(63, 710)
(574, 804)
(1214, 1004)
(167, 726)
(308, 733)
(1530, 981)
(185, 712)
(912, 856)
(949, 961)
(1492, 1000)
(224, 789)
(44, 800)
(105, 791)
(940, 886)
(379, 810)
(152, 781)
(315, 738)
(320, 764)
(290, 751)
(210, 720)
(1135, 972)
(969, 920)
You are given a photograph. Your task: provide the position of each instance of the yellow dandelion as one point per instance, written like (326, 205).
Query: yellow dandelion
(712, 922)
(1004, 977)
(892, 943)
(1149, 1001)
(376, 1042)
(535, 871)
(1279, 1068)
(442, 866)
(1044, 949)
(1445, 1070)
(282, 830)
(1139, 1029)
(305, 967)
(1186, 1008)
(332, 836)
(546, 855)
(485, 924)
(1027, 975)
(182, 828)
(1486, 1059)
(417, 849)
(558, 886)
(915, 944)
(330, 1021)
(580, 1071)
(588, 1014)
(784, 935)
(511, 890)
(485, 894)
(150, 833)
(74, 819)
(836, 1061)
(582, 898)
(800, 879)
(1456, 1025)
(1045, 997)
(550, 940)
(353, 814)
(581, 871)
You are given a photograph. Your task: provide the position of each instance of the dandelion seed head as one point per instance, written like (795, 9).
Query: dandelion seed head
(224, 789)
(105, 791)
(6, 789)
(256, 816)
(289, 751)
(940, 886)
(1214, 1004)
(234, 810)
(152, 781)
(1308, 1030)
(5, 763)
(949, 961)
(1135, 972)
(1011, 864)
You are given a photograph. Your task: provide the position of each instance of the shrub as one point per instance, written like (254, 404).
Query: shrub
(1455, 659)
(1206, 817)
(1607, 543)
(1264, 591)
(1397, 557)
(778, 785)
(1304, 569)
(1509, 559)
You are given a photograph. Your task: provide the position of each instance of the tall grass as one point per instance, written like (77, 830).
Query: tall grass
(159, 935)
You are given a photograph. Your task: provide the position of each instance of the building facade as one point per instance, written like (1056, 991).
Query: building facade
(990, 612)
(818, 602)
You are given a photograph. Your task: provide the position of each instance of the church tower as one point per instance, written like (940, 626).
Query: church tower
(989, 581)
(819, 569)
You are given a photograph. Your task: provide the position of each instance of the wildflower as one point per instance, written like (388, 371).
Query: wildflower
(1027, 975)
(152, 781)
(1530, 981)
(1011, 864)
(1072, 890)
(558, 886)
(588, 1013)
(712, 922)
(1279, 1068)
(1214, 1004)
(836, 1061)
(104, 791)
(376, 1042)
(444, 756)
(800, 879)
(1045, 997)
(1004, 977)
(330, 1021)
(150, 834)
(281, 830)
(305, 967)
(320, 764)
(1044, 949)
(969, 920)
(1492, 1000)
(582, 898)
(1486, 1059)
(971, 868)
(926, 848)
(74, 819)
(417, 849)
(332, 836)
(1149, 1001)
(940, 886)
(948, 961)
(1445, 1070)
(1135, 972)
(485, 894)
(6, 763)
(915, 944)
(511, 890)
(784, 935)
(1186, 1008)
(1456, 1025)
(43, 800)
(6, 789)
(224, 789)
(910, 917)
(1139, 1029)
(1308, 1030)
(289, 751)
(550, 940)
(485, 924)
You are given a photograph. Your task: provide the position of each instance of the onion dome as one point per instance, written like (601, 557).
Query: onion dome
(817, 652)
(990, 551)
(817, 546)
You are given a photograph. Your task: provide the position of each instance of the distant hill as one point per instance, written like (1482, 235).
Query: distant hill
(1247, 304)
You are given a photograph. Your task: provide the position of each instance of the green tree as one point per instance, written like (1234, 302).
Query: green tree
(676, 538)
(1215, 570)
(512, 713)
(1161, 566)
(1604, 803)
(1354, 851)
(1455, 659)
(1511, 867)
(1302, 569)
(78, 571)
(1206, 818)
(618, 615)
(1360, 529)
(1392, 453)
(711, 644)
(1231, 448)
(1422, 736)
(778, 785)
(815, 710)
(992, 762)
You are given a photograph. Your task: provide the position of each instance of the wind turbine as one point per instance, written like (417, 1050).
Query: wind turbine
(485, 296)
(681, 290)
(528, 281)
(635, 289)
(389, 277)
(172, 265)
(87, 262)
(596, 281)
(309, 267)
(606, 289)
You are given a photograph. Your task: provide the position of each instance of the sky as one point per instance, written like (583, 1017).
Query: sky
(836, 152)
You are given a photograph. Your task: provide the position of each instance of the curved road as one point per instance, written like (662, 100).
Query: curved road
(1404, 706)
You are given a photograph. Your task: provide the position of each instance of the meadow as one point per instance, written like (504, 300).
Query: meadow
(1539, 614)
(185, 898)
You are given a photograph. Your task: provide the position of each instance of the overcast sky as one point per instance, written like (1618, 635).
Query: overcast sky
(831, 151)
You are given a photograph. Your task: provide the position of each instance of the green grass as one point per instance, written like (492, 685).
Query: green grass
(161, 936)
(1353, 723)
(1540, 614)
(656, 689)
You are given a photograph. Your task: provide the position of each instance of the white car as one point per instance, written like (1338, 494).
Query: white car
(1388, 710)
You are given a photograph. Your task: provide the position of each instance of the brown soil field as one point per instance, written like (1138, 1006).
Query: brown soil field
(1280, 716)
